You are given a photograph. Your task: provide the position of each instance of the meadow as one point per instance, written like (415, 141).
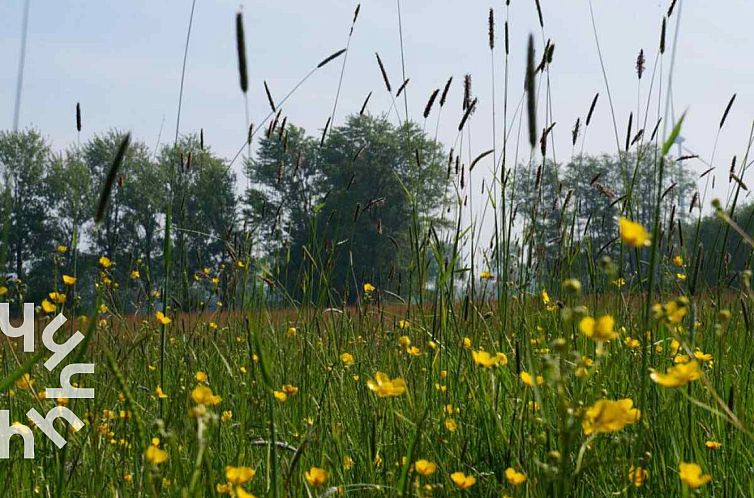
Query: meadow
(545, 359)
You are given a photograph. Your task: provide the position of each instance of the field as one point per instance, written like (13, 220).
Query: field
(575, 329)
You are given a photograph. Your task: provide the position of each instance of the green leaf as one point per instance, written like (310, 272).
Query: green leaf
(673, 136)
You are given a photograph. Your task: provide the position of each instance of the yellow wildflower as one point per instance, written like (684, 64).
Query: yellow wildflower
(462, 480)
(48, 307)
(425, 467)
(484, 359)
(384, 387)
(632, 233)
(239, 475)
(678, 375)
(529, 380)
(316, 476)
(702, 356)
(162, 318)
(691, 475)
(600, 329)
(514, 477)
(347, 359)
(155, 455)
(203, 395)
(609, 416)
(69, 280)
(545, 297)
(637, 476)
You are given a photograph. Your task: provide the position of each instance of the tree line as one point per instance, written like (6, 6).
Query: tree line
(316, 216)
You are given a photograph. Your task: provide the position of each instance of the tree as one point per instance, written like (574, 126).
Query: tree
(201, 188)
(284, 183)
(71, 195)
(25, 160)
(113, 237)
(348, 202)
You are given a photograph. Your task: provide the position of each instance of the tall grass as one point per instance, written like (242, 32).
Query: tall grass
(297, 380)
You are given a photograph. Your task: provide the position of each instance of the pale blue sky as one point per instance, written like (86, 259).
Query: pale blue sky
(122, 61)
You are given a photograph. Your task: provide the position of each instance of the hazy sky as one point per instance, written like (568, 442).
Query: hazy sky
(122, 61)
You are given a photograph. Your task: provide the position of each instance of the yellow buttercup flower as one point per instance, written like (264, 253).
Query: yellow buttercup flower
(678, 261)
(316, 476)
(3, 290)
(242, 493)
(702, 356)
(599, 329)
(69, 280)
(160, 393)
(486, 275)
(369, 288)
(514, 477)
(678, 375)
(451, 425)
(676, 310)
(425, 467)
(203, 395)
(713, 445)
(609, 416)
(632, 233)
(484, 359)
(57, 297)
(290, 389)
(692, 476)
(404, 324)
(347, 359)
(280, 396)
(637, 476)
(530, 380)
(239, 475)
(155, 455)
(632, 343)
(48, 307)
(24, 382)
(385, 387)
(162, 318)
(226, 416)
(462, 480)
(135, 275)
(105, 262)
(545, 297)
(61, 249)
(200, 376)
